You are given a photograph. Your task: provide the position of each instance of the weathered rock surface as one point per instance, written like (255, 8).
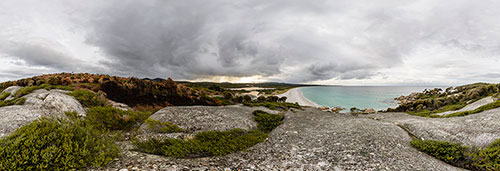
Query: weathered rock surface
(53, 101)
(120, 106)
(13, 117)
(204, 118)
(472, 106)
(474, 130)
(308, 140)
(39, 103)
(12, 90)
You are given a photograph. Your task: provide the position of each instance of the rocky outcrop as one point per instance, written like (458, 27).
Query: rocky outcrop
(406, 99)
(194, 119)
(471, 106)
(205, 118)
(118, 105)
(38, 104)
(476, 130)
(53, 101)
(308, 140)
(369, 110)
(12, 91)
(337, 109)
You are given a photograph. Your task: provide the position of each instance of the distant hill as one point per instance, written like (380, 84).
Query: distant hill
(241, 85)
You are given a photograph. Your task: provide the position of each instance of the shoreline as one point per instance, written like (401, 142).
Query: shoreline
(295, 95)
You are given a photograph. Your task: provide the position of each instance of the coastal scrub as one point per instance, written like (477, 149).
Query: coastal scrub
(56, 144)
(487, 159)
(88, 98)
(110, 118)
(213, 143)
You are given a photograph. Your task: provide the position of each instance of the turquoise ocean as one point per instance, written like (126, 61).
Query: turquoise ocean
(377, 97)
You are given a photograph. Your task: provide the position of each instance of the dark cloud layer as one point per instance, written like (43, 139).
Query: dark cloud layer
(192, 39)
(281, 40)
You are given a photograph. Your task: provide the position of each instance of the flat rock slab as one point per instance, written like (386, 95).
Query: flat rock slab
(13, 117)
(195, 119)
(472, 106)
(477, 130)
(308, 140)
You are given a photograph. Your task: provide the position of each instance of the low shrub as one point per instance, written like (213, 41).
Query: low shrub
(16, 101)
(4, 95)
(88, 98)
(222, 101)
(267, 122)
(55, 144)
(213, 143)
(26, 90)
(462, 156)
(210, 143)
(488, 158)
(274, 105)
(446, 151)
(110, 118)
(162, 127)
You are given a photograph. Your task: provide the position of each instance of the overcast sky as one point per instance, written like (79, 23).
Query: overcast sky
(350, 42)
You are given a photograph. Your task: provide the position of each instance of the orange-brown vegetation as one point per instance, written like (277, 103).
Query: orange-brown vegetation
(137, 93)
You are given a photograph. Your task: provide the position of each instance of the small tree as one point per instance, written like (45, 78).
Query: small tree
(273, 98)
(282, 99)
(261, 99)
(228, 96)
(247, 98)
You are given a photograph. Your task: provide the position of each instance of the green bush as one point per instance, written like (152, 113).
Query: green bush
(213, 143)
(26, 90)
(446, 151)
(273, 105)
(55, 144)
(267, 122)
(162, 127)
(488, 158)
(110, 118)
(4, 95)
(16, 101)
(210, 143)
(88, 98)
(462, 156)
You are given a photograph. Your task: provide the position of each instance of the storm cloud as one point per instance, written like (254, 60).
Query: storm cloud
(327, 42)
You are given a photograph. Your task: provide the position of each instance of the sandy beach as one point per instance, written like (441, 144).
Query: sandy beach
(295, 95)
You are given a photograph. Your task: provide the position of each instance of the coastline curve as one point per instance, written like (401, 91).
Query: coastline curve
(295, 95)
